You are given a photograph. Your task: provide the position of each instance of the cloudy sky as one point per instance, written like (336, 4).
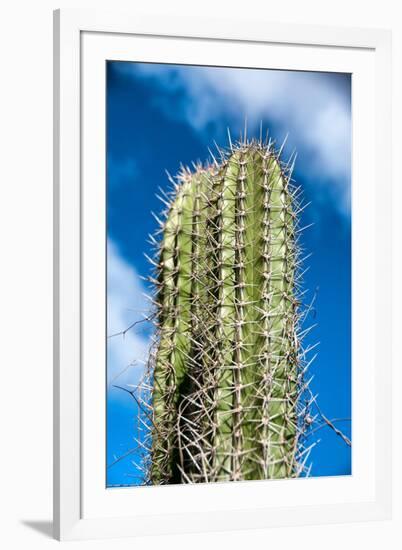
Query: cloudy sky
(159, 116)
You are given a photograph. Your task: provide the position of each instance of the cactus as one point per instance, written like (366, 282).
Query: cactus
(228, 372)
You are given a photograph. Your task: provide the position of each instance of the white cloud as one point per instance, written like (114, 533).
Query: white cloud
(126, 304)
(310, 107)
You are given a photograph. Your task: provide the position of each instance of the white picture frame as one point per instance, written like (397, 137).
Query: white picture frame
(83, 507)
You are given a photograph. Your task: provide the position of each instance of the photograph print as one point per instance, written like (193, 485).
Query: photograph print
(228, 269)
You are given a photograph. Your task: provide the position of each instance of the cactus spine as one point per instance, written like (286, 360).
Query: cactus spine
(227, 372)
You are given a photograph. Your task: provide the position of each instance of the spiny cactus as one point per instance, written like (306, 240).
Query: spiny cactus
(228, 371)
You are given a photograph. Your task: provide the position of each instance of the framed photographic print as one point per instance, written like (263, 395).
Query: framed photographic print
(222, 311)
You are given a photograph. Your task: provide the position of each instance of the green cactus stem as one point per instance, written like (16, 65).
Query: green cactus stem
(227, 372)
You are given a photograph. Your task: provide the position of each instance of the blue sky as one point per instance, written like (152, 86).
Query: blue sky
(159, 116)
